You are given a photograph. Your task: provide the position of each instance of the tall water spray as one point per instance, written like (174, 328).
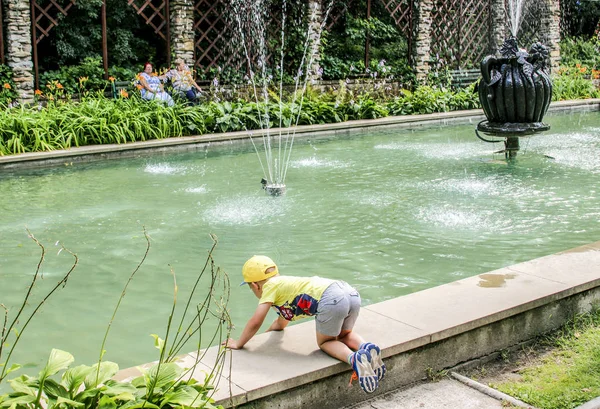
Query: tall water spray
(515, 15)
(250, 21)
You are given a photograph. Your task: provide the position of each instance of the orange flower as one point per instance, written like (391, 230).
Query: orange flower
(38, 92)
(578, 65)
(139, 87)
(7, 85)
(124, 93)
(59, 85)
(51, 97)
(111, 79)
(583, 70)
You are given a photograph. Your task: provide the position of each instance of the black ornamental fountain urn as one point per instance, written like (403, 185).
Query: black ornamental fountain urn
(515, 92)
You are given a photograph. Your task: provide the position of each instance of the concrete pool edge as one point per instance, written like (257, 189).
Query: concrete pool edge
(422, 332)
(110, 151)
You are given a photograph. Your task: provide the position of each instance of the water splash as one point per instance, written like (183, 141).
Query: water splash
(162, 169)
(250, 23)
(245, 211)
(198, 189)
(314, 162)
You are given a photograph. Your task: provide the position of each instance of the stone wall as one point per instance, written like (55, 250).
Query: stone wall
(551, 26)
(423, 39)
(498, 31)
(182, 30)
(316, 20)
(19, 47)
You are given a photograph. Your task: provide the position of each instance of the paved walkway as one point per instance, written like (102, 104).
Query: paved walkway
(446, 394)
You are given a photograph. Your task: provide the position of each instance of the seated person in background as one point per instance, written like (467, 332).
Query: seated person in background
(182, 80)
(152, 88)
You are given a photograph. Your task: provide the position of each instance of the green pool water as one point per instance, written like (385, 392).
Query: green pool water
(392, 212)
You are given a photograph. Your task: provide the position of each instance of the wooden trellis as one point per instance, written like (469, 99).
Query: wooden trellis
(44, 17)
(338, 10)
(460, 32)
(217, 42)
(211, 48)
(156, 15)
(403, 13)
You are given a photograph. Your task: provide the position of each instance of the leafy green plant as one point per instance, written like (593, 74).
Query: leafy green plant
(160, 386)
(577, 50)
(7, 92)
(163, 385)
(91, 69)
(573, 83)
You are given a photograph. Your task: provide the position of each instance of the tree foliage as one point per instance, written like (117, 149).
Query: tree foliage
(79, 35)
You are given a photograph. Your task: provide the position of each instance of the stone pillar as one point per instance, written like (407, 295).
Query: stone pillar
(422, 45)
(498, 31)
(550, 29)
(19, 47)
(182, 30)
(316, 20)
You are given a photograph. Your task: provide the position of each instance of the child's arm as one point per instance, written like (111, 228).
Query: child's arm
(251, 327)
(279, 324)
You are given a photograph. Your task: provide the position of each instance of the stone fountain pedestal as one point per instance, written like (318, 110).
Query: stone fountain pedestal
(515, 92)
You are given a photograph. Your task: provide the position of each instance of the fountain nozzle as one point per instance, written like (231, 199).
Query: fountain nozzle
(273, 189)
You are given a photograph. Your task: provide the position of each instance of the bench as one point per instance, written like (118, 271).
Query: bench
(118, 86)
(464, 77)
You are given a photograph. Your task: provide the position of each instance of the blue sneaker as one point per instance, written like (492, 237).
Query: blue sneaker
(376, 361)
(367, 379)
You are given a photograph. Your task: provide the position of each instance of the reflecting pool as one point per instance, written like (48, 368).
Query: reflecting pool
(391, 212)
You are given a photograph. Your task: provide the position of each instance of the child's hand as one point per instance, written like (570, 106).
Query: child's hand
(230, 343)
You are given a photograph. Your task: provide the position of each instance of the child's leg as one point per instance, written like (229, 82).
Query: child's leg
(333, 347)
(351, 339)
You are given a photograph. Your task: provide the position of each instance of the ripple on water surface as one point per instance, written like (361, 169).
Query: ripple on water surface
(314, 162)
(245, 210)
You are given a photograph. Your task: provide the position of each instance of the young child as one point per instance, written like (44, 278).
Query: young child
(335, 305)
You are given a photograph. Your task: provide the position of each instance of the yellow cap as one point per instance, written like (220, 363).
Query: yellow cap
(255, 269)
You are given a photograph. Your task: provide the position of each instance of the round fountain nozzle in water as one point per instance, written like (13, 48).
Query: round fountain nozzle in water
(275, 189)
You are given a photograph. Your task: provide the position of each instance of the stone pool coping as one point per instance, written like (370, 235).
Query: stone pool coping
(101, 152)
(424, 331)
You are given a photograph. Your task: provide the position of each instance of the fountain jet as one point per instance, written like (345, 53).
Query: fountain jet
(250, 21)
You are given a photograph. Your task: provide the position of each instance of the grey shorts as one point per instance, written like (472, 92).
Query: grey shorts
(338, 309)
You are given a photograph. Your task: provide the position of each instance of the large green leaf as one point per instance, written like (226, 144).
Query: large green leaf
(140, 403)
(107, 370)
(86, 394)
(124, 391)
(57, 361)
(161, 374)
(106, 402)
(184, 396)
(24, 384)
(64, 402)
(74, 377)
(53, 389)
(17, 401)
